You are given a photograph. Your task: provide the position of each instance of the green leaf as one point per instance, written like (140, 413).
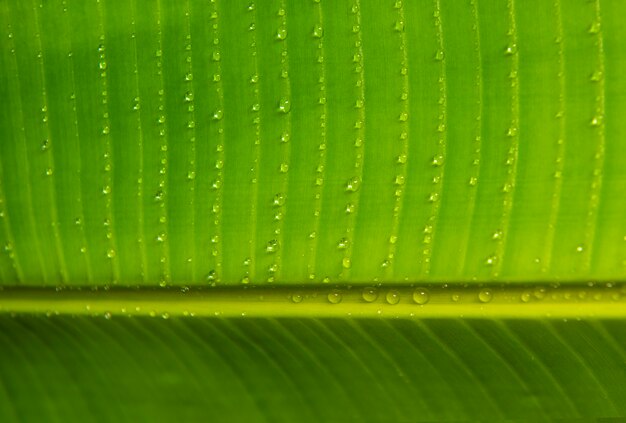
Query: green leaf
(312, 210)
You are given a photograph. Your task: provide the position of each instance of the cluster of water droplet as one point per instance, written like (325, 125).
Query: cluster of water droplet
(318, 39)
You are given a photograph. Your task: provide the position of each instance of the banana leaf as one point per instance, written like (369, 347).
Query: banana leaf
(312, 210)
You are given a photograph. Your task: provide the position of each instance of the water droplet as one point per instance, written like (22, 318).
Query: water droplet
(399, 26)
(369, 294)
(510, 49)
(399, 180)
(346, 263)
(191, 175)
(421, 296)
(596, 76)
(102, 65)
(343, 243)
(284, 105)
(353, 184)
(594, 28)
(485, 295)
(404, 116)
(318, 31)
(216, 56)
(218, 114)
(296, 298)
(272, 246)
(392, 297)
(111, 253)
(281, 34)
(106, 190)
(393, 239)
(105, 130)
(279, 199)
(439, 55)
(334, 297)
(49, 171)
(579, 249)
(284, 168)
(402, 158)
(437, 160)
(245, 280)
(525, 297)
(473, 181)
(349, 208)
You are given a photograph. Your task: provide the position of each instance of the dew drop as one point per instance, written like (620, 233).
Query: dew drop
(439, 55)
(279, 199)
(318, 31)
(111, 253)
(594, 28)
(272, 246)
(284, 105)
(392, 297)
(218, 114)
(485, 295)
(596, 76)
(510, 49)
(296, 298)
(281, 34)
(284, 168)
(343, 243)
(421, 296)
(346, 263)
(369, 294)
(353, 184)
(334, 297)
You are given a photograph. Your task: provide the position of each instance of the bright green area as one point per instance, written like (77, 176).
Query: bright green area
(375, 210)
(214, 142)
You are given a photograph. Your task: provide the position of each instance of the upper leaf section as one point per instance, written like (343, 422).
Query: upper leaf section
(229, 142)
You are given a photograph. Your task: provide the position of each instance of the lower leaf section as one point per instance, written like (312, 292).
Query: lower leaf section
(82, 368)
